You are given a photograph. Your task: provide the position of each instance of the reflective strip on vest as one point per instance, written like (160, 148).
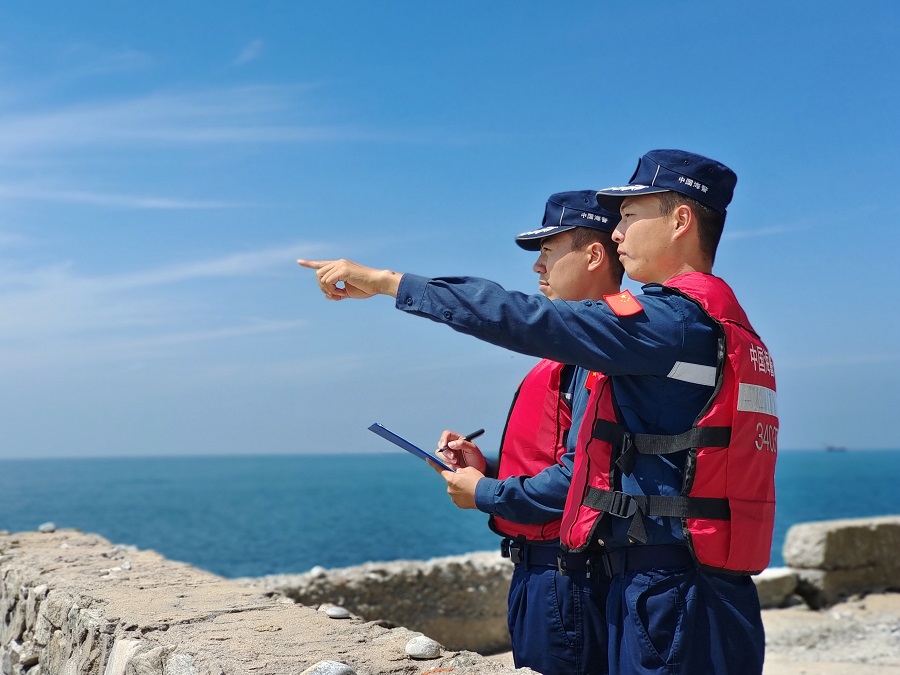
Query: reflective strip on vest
(756, 398)
(693, 373)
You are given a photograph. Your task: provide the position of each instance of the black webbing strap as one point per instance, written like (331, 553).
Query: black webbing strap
(657, 444)
(636, 507)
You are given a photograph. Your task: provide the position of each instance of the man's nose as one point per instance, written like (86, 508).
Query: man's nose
(617, 236)
(539, 265)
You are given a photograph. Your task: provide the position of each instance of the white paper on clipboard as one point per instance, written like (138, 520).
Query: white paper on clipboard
(401, 442)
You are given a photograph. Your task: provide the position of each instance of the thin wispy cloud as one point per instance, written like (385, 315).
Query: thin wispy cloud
(62, 68)
(54, 278)
(82, 60)
(249, 114)
(126, 201)
(7, 239)
(251, 52)
(236, 265)
(84, 351)
(257, 327)
(56, 312)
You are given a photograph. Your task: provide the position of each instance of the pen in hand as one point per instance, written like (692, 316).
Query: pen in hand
(467, 437)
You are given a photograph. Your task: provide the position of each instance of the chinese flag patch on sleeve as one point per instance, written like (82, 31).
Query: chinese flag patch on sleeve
(623, 304)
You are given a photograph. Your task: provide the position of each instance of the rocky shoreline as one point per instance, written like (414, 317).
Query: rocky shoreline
(74, 603)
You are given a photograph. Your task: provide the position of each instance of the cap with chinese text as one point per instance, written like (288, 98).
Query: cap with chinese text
(703, 179)
(568, 210)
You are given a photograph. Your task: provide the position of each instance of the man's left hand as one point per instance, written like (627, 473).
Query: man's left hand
(461, 486)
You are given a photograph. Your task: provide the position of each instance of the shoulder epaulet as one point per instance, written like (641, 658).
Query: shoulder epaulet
(623, 304)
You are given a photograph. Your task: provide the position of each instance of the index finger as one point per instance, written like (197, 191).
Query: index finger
(446, 438)
(312, 264)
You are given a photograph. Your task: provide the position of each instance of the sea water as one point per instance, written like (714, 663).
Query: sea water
(250, 516)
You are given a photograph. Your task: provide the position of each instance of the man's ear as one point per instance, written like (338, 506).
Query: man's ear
(684, 221)
(596, 254)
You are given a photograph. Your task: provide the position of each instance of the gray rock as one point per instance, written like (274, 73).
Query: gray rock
(47, 527)
(433, 597)
(329, 668)
(775, 586)
(822, 588)
(180, 664)
(844, 544)
(12, 655)
(121, 654)
(335, 612)
(837, 559)
(167, 618)
(423, 647)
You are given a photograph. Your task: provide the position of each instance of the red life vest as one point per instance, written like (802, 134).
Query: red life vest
(534, 438)
(727, 500)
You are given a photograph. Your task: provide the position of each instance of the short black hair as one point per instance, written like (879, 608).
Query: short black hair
(710, 222)
(583, 236)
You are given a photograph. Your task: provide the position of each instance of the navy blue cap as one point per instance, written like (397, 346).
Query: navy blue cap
(567, 210)
(706, 180)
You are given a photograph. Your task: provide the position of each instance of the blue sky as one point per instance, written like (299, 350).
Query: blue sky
(162, 168)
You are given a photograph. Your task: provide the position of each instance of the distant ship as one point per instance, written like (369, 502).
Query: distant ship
(835, 448)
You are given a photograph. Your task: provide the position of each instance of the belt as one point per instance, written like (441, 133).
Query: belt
(637, 558)
(532, 555)
(610, 564)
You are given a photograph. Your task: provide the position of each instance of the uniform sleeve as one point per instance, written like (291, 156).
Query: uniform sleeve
(584, 333)
(527, 500)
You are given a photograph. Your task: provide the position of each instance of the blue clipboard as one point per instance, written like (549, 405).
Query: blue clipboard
(399, 441)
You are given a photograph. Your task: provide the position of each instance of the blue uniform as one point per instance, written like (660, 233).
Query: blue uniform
(553, 619)
(652, 360)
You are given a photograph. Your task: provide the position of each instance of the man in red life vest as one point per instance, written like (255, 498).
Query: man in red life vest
(553, 626)
(674, 490)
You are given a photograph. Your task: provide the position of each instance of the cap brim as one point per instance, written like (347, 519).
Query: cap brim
(531, 241)
(611, 198)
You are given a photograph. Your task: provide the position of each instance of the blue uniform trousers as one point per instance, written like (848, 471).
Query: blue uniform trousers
(683, 622)
(557, 622)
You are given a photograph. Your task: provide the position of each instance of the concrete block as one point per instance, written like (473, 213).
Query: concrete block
(844, 544)
(840, 558)
(822, 588)
(775, 586)
(460, 601)
(167, 618)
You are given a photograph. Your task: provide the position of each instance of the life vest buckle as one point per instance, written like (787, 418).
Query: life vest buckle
(623, 505)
